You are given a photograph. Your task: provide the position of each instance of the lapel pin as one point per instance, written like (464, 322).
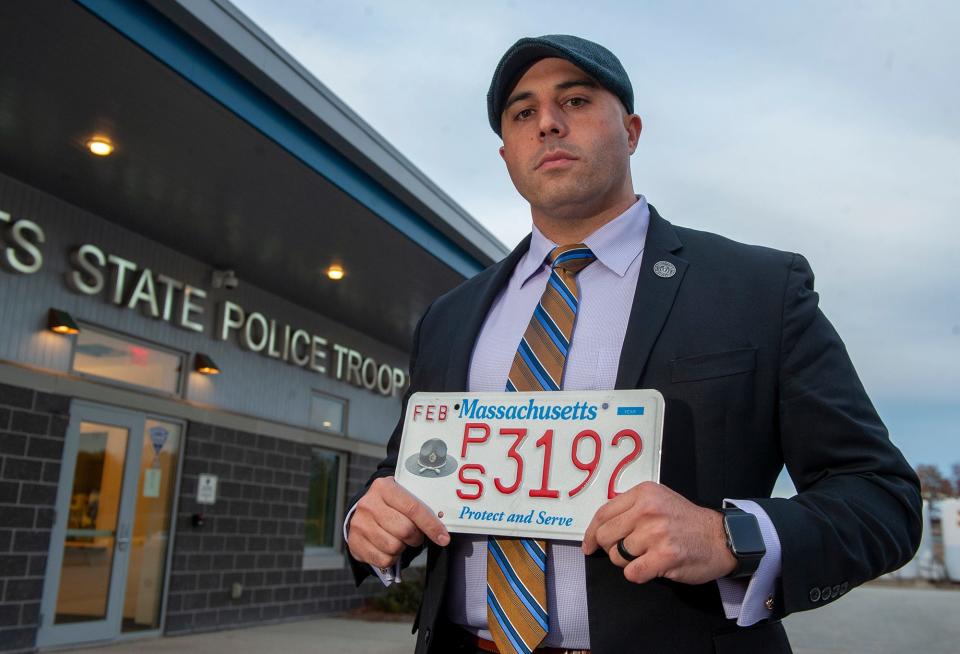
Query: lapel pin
(664, 269)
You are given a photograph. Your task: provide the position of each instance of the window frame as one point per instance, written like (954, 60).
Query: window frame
(345, 420)
(91, 327)
(332, 557)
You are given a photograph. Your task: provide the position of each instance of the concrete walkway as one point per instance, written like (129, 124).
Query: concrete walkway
(874, 620)
(880, 620)
(334, 635)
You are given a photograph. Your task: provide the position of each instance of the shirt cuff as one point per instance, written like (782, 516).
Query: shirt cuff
(750, 600)
(389, 575)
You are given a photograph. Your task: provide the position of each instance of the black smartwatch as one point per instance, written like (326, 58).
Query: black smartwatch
(744, 540)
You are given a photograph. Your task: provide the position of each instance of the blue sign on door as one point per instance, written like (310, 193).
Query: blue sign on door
(158, 437)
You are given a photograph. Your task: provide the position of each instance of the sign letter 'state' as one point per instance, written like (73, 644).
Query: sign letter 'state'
(528, 464)
(133, 286)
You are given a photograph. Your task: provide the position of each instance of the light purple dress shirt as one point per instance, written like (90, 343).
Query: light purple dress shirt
(606, 296)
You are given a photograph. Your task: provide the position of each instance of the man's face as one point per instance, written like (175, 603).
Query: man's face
(567, 140)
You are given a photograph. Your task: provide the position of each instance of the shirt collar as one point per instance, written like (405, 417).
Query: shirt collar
(616, 245)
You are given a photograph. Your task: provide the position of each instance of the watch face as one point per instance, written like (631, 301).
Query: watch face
(745, 534)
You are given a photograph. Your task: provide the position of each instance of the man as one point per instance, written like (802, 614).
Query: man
(753, 376)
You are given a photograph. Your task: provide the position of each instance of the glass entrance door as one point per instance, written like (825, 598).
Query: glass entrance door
(108, 549)
(157, 474)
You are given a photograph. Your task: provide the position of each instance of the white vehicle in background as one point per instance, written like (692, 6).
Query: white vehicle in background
(941, 525)
(950, 536)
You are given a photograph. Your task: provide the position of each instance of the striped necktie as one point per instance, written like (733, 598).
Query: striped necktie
(516, 567)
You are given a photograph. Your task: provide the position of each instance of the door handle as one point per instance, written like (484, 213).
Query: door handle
(123, 539)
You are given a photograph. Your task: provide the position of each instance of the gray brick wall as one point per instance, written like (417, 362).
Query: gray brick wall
(253, 535)
(32, 429)
(359, 469)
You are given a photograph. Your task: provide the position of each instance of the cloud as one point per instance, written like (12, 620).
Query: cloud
(829, 129)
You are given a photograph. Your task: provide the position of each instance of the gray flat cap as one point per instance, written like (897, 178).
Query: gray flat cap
(592, 58)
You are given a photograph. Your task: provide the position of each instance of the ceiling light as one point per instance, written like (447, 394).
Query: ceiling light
(61, 322)
(100, 146)
(205, 365)
(335, 272)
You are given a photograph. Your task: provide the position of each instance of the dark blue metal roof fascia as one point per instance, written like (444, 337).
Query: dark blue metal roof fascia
(162, 39)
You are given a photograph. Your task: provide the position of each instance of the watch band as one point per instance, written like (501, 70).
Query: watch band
(744, 540)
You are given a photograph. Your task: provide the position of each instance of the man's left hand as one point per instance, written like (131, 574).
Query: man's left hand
(670, 536)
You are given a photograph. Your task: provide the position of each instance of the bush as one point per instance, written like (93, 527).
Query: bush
(403, 597)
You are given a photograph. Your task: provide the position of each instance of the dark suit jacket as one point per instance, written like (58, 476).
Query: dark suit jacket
(754, 376)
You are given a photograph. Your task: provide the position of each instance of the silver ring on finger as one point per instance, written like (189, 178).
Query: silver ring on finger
(622, 551)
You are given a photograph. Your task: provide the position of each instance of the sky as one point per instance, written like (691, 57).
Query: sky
(826, 128)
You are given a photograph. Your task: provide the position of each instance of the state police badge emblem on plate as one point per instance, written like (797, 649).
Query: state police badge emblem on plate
(432, 460)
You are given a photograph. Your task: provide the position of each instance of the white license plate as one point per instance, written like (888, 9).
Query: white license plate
(528, 464)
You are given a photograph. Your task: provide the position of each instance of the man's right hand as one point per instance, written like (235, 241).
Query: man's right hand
(388, 518)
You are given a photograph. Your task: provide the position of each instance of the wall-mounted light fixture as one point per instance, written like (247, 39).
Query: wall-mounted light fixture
(205, 365)
(100, 146)
(61, 322)
(335, 272)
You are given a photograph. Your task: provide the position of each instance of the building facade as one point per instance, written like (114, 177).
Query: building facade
(204, 333)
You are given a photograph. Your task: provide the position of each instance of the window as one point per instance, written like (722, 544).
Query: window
(118, 358)
(323, 502)
(328, 413)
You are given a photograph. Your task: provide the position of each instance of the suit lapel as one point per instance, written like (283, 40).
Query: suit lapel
(652, 302)
(652, 299)
(473, 311)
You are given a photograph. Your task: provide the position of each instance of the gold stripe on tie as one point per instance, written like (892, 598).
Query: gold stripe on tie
(517, 613)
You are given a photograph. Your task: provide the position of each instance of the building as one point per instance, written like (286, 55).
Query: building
(187, 395)
(938, 557)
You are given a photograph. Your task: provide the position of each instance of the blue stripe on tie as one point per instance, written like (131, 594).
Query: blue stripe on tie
(563, 291)
(533, 549)
(551, 329)
(583, 249)
(510, 387)
(529, 601)
(534, 366)
(505, 624)
(570, 255)
(546, 381)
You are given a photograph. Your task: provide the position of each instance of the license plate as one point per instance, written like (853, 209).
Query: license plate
(528, 464)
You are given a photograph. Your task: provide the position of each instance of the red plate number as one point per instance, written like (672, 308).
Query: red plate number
(585, 451)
